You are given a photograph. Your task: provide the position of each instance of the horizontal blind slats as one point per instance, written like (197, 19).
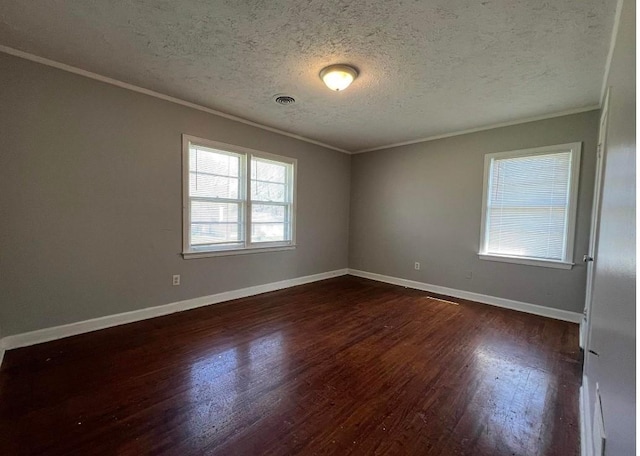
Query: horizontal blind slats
(527, 205)
(214, 178)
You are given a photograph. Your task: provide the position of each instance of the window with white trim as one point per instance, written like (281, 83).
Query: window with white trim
(529, 206)
(235, 200)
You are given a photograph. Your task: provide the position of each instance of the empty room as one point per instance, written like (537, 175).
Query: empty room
(318, 227)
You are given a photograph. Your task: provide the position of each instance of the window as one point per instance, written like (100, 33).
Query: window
(529, 206)
(235, 200)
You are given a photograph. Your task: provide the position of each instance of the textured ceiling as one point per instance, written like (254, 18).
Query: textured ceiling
(426, 67)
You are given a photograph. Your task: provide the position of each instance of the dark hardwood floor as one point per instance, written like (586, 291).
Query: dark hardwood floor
(345, 366)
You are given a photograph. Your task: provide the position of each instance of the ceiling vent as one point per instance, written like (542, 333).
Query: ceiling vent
(285, 99)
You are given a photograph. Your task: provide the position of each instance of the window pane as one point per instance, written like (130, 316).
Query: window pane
(209, 186)
(213, 212)
(210, 161)
(269, 232)
(528, 205)
(268, 171)
(215, 233)
(269, 223)
(268, 213)
(269, 180)
(266, 191)
(213, 174)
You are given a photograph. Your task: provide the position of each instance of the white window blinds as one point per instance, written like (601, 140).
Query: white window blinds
(530, 204)
(216, 197)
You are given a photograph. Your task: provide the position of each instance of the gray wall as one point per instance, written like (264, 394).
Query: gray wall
(423, 202)
(90, 201)
(613, 312)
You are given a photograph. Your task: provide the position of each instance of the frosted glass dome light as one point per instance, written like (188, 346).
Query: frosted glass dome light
(338, 77)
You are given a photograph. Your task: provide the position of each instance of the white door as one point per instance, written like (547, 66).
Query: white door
(590, 257)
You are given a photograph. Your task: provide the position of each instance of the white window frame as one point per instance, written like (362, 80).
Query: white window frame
(567, 260)
(245, 195)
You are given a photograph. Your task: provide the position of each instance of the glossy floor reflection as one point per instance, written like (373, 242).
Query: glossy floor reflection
(345, 366)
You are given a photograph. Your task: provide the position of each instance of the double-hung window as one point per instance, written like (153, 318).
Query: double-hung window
(529, 206)
(235, 200)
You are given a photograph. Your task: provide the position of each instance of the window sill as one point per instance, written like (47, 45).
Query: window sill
(245, 251)
(527, 261)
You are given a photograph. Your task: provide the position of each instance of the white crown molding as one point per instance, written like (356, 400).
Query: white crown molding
(534, 309)
(486, 127)
(152, 93)
(81, 327)
(612, 46)
(134, 88)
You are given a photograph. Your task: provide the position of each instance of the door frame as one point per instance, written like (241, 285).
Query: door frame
(585, 325)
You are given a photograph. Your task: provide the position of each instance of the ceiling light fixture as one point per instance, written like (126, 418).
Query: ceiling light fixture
(338, 77)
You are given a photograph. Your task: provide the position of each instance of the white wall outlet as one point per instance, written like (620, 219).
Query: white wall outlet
(416, 266)
(176, 280)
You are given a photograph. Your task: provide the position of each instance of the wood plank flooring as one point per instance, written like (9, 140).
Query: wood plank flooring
(345, 366)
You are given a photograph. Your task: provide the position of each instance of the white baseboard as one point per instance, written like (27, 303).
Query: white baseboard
(535, 309)
(2, 349)
(585, 419)
(72, 329)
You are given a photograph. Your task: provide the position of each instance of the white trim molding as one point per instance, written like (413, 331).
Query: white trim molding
(526, 261)
(586, 439)
(483, 128)
(2, 349)
(95, 324)
(520, 306)
(612, 47)
(230, 252)
(161, 96)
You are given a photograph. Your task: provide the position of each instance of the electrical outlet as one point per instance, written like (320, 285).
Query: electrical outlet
(176, 280)
(469, 275)
(416, 266)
